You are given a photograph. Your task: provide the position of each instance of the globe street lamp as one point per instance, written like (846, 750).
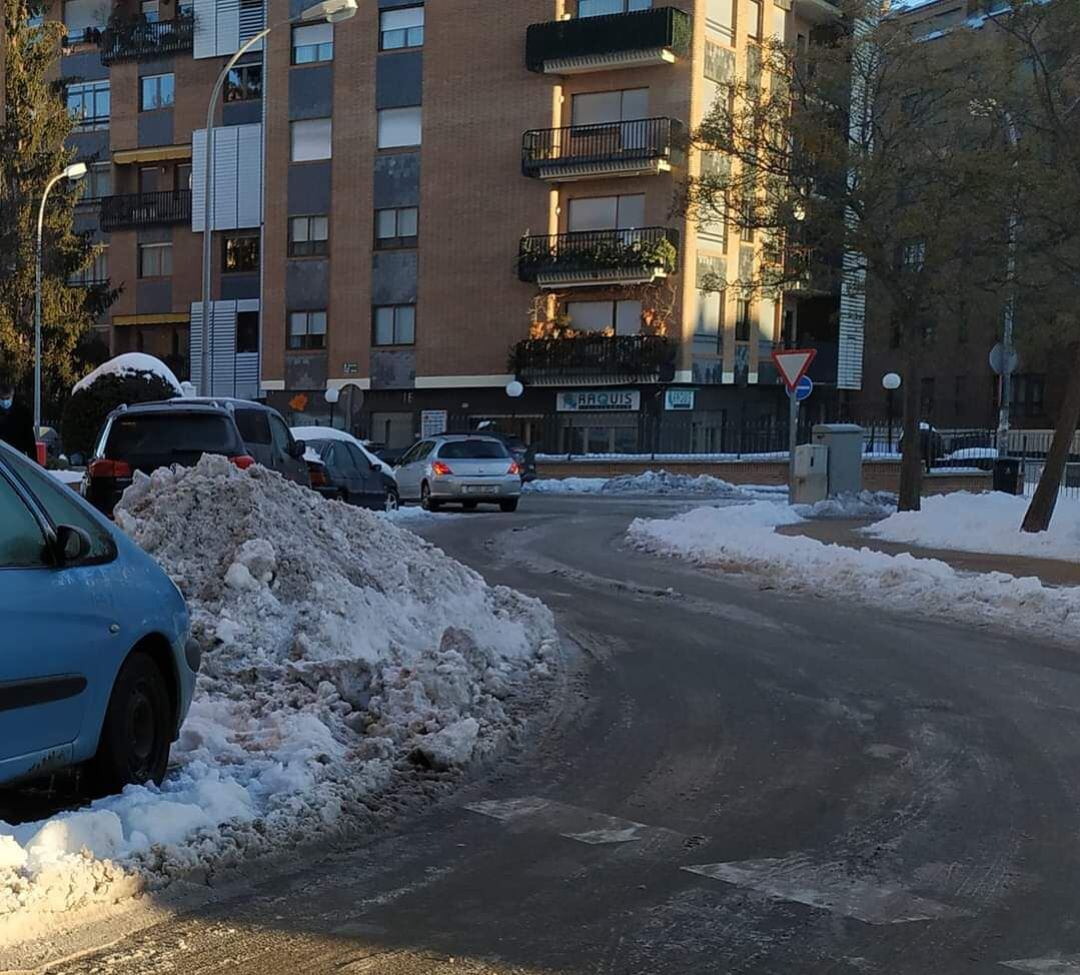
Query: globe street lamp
(329, 11)
(891, 382)
(74, 172)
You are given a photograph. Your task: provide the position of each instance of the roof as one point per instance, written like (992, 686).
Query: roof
(171, 406)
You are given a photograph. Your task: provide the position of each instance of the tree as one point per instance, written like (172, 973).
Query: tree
(859, 164)
(32, 150)
(86, 409)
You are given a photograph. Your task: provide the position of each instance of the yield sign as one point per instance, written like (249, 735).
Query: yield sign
(792, 364)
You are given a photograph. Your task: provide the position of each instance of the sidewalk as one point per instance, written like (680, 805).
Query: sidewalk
(1052, 572)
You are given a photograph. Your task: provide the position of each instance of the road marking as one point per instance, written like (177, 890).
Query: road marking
(1062, 965)
(821, 887)
(571, 822)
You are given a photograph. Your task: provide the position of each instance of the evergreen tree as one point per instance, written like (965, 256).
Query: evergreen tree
(32, 150)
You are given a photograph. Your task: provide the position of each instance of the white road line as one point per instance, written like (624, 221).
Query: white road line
(1061, 965)
(825, 887)
(571, 822)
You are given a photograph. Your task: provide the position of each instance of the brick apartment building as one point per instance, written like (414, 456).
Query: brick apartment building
(415, 206)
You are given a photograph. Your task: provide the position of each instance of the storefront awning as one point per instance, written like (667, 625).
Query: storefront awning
(161, 318)
(124, 157)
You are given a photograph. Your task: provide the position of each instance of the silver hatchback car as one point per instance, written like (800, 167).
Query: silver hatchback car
(464, 468)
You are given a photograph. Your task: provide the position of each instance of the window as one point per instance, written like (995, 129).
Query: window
(312, 43)
(63, 509)
(247, 332)
(607, 213)
(98, 181)
(473, 450)
(1026, 394)
(395, 325)
(710, 316)
(611, 317)
(244, 83)
(746, 218)
(156, 91)
(82, 16)
(753, 23)
(399, 127)
(88, 104)
(22, 543)
(240, 254)
(308, 236)
(150, 11)
(596, 108)
(149, 179)
(599, 8)
(307, 330)
(396, 227)
(742, 320)
(401, 28)
(279, 434)
(96, 272)
(155, 260)
(182, 177)
(311, 139)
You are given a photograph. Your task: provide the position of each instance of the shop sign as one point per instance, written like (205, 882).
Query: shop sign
(598, 401)
(679, 399)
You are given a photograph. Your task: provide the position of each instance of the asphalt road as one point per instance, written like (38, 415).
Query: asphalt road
(738, 781)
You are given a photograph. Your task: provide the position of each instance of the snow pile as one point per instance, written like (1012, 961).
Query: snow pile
(987, 522)
(744, 538)
(865, 504)
(651, 482)
(342, 656)
(131, 364)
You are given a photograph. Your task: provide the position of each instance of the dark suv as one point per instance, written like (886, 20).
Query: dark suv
(152, 435)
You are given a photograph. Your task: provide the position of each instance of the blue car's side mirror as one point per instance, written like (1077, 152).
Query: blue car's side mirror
(72, 544)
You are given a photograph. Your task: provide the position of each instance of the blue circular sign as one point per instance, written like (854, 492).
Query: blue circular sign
(804, 388)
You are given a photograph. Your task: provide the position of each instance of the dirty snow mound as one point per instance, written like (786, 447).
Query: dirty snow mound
(650, 482)
(342, 655)
(864, 504)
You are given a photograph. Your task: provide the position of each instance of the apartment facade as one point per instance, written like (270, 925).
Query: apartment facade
(429, 204)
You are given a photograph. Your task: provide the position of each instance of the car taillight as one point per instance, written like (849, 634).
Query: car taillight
(243, 461)
(109, 468)
(513, 468)
(318, 477)
(439, 469)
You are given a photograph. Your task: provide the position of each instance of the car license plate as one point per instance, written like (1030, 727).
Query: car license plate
(479, 489)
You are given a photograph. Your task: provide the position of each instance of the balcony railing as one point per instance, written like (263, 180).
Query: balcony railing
(141, 40)
(145, 209)
(599, 256)
(611, 148)
(661, 34)
(640, 358)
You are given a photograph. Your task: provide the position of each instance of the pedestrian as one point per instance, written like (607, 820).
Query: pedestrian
(16, 425)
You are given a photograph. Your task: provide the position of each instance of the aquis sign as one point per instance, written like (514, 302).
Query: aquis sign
(598, 401)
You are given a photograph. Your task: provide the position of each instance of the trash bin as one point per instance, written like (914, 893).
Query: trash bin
(1007, 475)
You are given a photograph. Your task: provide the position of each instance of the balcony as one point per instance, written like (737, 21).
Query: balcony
(140, 40)
(818, 12)
(631, 40)
(145, 209)
(641, 147)
(599, 257)
(593, 359)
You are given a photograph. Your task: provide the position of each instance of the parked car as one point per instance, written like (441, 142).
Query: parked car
(147, 436)
(388, 455)
(352, 473)
(523, 453)
(95, 662)
(317, 473)
(466, 468)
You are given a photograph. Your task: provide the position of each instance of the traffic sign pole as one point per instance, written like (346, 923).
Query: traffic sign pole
(793, 427)
(792, 365)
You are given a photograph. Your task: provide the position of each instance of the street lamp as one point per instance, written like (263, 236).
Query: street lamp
(330, 11)
(333, 394)
(891, 382)
(74, 172)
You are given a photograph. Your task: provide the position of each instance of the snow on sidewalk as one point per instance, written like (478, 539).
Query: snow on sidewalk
(341, 654)
(984, 523)
(743, 538)
(659, 482)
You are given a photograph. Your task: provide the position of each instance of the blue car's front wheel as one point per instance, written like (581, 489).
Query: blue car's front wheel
(136, 733)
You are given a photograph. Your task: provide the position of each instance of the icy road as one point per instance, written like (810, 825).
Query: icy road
(734, 781)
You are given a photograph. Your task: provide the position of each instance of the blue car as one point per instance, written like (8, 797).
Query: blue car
(96, 665)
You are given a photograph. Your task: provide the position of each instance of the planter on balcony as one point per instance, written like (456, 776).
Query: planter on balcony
(145, 209)
(595, 257)
(141, 40)
(592, 358)
(657, 36)
(636, 147)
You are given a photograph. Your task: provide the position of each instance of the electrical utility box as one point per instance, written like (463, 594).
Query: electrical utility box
(811, 474)
(845, 445)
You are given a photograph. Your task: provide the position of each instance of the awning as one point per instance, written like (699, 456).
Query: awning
(160, 318)
(124, 157)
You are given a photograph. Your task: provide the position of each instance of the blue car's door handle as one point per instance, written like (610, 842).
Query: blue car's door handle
(40, 690)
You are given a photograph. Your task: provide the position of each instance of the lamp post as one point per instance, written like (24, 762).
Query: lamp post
(333, 394)
(891, 383)
(74, 172)
(329, 11)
